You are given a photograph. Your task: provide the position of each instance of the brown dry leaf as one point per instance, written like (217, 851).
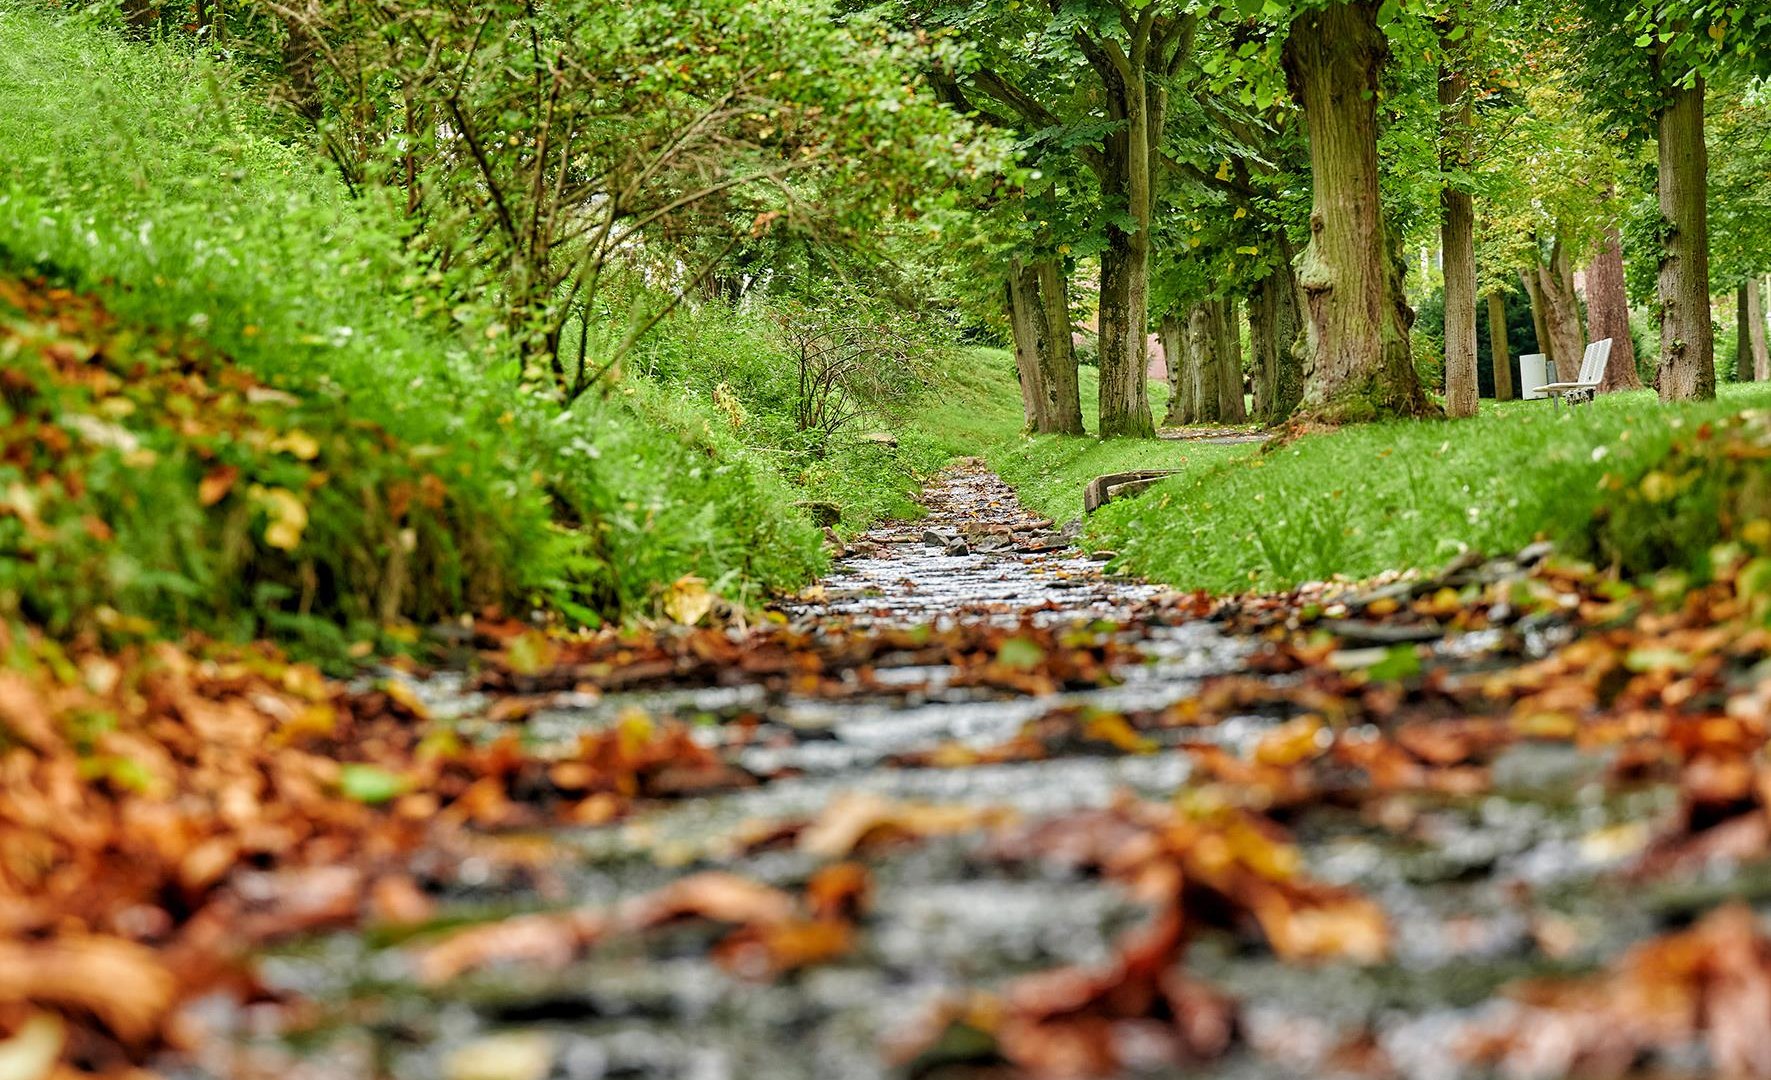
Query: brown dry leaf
(1709, 985)
(1139, 1011)
(25, 713)
(121, 983)
(768, 950)
(840, 891)
(546, 940)
(216, 484)
(856, 819)
(713, 895)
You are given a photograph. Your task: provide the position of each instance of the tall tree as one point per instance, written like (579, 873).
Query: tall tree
(1687, 339)
(1045, 357)
(1751, 361)
(1648, 65)
(1457, 225)
(1361, 364)
(1498, 357)
(1093, 76)
(1608, 315)
(1561, 310)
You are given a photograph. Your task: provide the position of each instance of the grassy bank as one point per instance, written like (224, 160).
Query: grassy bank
(1366, 499)
(148, 176)
(1353, 502)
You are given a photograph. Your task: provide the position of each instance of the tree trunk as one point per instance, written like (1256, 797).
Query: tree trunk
(1125, 400)
(1360, 366)
(1045, 357)
(1750, 358)
(1608, 315)
(1231, 407)
(1498, 354)
(1203, 337)
(1125, 264)
(1183, 389)
(1540, 324)
(1687, 344)
(1061, 411)
(1022, 304)
(1457, 238)
(1562, 313)
(1261, 332)
(1277, 340)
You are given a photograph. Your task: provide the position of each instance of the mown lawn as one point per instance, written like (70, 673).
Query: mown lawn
(1365, 499)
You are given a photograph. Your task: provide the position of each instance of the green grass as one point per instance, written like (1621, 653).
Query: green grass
(979, 413)
(1353, 502)
(1411, 494)
(148, 174)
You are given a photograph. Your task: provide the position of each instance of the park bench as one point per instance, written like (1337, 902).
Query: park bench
(1592, 373)
(1104, 489)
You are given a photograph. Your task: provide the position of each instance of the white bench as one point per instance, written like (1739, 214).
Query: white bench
(1592, 373)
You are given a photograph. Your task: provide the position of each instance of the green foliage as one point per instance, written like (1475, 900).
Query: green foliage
(152, 488)
(544, 151)
(147, 173)
(1711, 486)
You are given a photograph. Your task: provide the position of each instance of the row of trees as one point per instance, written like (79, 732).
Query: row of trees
(1274, 156)
(572, 171)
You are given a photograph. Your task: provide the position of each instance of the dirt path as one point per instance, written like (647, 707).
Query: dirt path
(996, 779)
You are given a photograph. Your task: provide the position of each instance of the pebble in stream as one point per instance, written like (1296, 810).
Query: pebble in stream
(944, 918)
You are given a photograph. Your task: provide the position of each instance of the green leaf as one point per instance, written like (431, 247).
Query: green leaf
(1019, 653)
(1401, 662)
(369, 784)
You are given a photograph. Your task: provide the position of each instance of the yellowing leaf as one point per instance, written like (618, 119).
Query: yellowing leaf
(1291, 742)
(297, 443)
(31, 1054)
(1111, 728)
(687, 600)
(1224, 170)
(1241, 212)
(288, 516)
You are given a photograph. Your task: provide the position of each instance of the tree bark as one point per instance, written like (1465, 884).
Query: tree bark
(1608, 315)
(1232, 409)
(1540, 325)
(1277, 340)
(1261, 366)
(1457, 239)
(1687, 343)
(1203, 337)
(1045, 356)
(1022, 304)
(1498, 354)
(1125, 263)
(1751, 361)
(1361, 366)
(1062, 409)
(1183, 389)
(1555, 281)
